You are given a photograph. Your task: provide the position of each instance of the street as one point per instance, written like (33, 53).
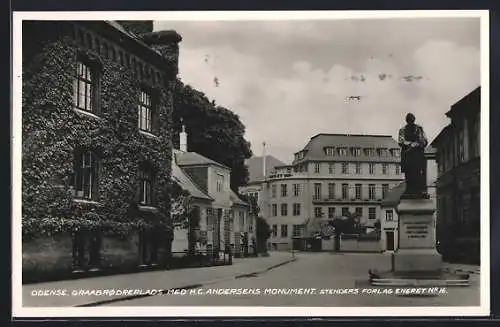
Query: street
(347, 272)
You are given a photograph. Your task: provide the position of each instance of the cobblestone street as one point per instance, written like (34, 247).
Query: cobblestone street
(319, 271)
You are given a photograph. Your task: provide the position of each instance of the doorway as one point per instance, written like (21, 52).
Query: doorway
(389, 239)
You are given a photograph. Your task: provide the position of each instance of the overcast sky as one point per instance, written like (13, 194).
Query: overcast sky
(289, 80)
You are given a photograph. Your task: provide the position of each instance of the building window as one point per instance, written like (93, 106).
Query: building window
(384, 169)
(296, 209)
(461, 152)
(284, 230)
(345, 191)
(297, 230)
(284, 190)
(296, 189)
(317, 191)
(357, 188)
(145, 112)
(371, 191)
(474, 134)
(250, 224)
(342, 151)
(358, 168)
(331, 191)
(254, 195)
(372, 168)
(274, 209)
(389, 215)
(284, 209)
(84, 88)
(146, 186)
(274, 230)
(220, 183)
(241, 222)
(331, 212)
(385, 189)
(318, 212)
(345, 211)
(372, 213)
(273, 191)
(85, 170)
(398, 169)
(345, 168)
(359, 211)
(317, 167)
(331, 168)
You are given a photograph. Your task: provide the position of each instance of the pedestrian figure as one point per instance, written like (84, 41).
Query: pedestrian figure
(413, 141)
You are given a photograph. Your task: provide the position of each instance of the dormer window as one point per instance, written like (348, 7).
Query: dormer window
(342, 151)
(382, 152)
(220, 183)
(330, 151)
(370, 152)
(299, 155)
(356, 152)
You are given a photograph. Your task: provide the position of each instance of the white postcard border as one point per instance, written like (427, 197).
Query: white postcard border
(19, 311)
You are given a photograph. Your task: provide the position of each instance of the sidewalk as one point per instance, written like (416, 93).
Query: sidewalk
(462, 268)
(156, 280)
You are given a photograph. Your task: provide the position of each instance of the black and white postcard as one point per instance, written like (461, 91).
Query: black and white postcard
(250, 164)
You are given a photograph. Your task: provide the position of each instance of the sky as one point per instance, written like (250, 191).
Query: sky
(290, 80)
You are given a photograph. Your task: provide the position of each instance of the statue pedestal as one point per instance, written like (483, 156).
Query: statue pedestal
(417, 252)
(417, 262)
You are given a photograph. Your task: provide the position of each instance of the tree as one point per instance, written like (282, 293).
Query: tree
(185, 215)
(263, 233)
(346, 224)
(214, 131)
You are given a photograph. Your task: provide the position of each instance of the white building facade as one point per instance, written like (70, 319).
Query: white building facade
(333, 175)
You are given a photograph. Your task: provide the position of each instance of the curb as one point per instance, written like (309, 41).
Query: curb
(458, 270)
(186, 287)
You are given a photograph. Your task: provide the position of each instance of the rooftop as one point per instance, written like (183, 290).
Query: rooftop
(255, 167)
(315, 147)
(236, 199)
(195, 159)
(470, 102)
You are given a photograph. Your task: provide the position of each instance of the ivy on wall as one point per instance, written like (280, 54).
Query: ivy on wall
(52, 130)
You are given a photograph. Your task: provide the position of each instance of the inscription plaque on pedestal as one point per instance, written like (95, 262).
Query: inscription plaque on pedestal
(417, 245)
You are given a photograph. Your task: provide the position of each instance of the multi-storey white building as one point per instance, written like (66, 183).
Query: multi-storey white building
(332, 175)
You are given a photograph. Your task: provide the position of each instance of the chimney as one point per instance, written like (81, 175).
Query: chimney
(264, 159)
(183, 139)
(167, 44)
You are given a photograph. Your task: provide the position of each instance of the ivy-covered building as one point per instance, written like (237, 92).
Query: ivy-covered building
(97, 144)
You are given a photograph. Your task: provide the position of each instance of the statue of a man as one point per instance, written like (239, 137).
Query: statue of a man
(413, 141)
